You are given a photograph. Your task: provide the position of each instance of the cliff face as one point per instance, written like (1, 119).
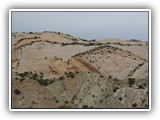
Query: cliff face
(56, 70)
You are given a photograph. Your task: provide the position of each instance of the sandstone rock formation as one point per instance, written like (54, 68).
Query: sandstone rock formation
(57, 70)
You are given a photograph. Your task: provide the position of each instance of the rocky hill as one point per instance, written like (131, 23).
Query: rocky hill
(57, 70)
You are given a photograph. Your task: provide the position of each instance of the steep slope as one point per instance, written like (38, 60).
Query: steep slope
(111, 60)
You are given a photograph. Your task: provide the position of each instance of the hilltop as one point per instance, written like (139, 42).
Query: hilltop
(57, 70)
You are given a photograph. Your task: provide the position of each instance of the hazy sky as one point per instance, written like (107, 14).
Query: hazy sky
(87, 25)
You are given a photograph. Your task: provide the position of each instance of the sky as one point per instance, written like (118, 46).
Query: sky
(86, 25)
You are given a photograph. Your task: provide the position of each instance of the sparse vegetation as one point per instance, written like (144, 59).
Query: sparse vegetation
(97, 75)
(43, 82)
(38, 77)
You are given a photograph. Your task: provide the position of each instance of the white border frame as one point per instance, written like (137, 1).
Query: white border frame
(81, 10)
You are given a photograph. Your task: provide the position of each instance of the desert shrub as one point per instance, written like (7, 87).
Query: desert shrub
(22, 79)
(35, 77)
(31, 33)
(110, 77)
(51, 81)
(26, 73)
(66, 106)
(140, 65)
(35, 37)
(66, 102)
(131, 81)
(128, 44)
(71, 75)
(30, 72)
(41, 75)
(102, 90)
(61, 78)
(93, 40)
(63, 44)
(139, 44)
(101, 76)
(77, 72)
(44, 82)
(22, 75)
(115, 89)
(57, 101)
(120, 98)
(85, 106)
(17, 92)
(140, 87)
(134, 105)
(100, 101)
